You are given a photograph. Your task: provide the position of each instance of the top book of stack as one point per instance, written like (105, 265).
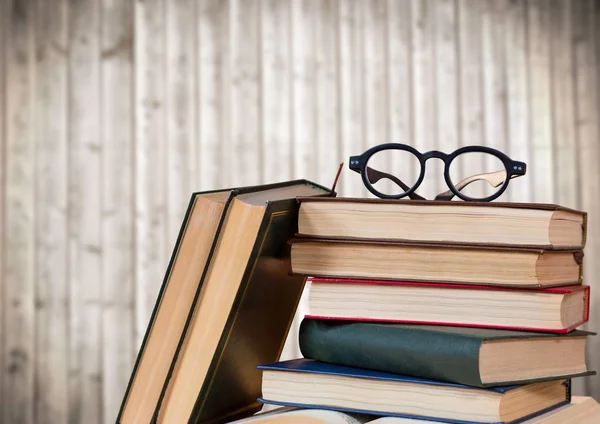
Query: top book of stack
(529, 225)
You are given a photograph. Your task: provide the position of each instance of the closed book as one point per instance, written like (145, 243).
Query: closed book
(473, 356)
(304, 383)
(581, 410)
(242, 313)
(435, 262)
(552, 309)
(199, 230)
(487, 223)
(218, 293)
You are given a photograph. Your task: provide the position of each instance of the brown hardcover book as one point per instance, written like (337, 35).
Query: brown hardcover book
(206, 218)
(242, 313)
(438, 263)
(189, 258)
(497, 223)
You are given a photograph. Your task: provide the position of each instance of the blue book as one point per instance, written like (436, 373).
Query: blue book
(305, 383)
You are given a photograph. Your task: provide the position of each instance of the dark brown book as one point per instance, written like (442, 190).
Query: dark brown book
(243, 311)
(251, 221)
(436, 262)
(472, 223)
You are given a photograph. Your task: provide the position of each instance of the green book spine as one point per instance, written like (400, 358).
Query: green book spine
(394, 348)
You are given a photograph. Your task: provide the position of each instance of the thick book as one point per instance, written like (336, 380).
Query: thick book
(552, 309)
(473, 356)
(438, 263)
(492, 223)
(304, 383)
(182, 284)
(581, 410)
(242, 312)
(198, 231)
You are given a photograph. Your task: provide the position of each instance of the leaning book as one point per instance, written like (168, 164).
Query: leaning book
(231, 247)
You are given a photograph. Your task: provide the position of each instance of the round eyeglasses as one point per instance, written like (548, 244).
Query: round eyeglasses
(473, 173)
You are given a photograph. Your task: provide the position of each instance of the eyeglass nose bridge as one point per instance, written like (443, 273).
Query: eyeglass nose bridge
(435, 154)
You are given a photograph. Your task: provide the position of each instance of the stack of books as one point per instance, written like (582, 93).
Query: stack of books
(449, 312)
(440, 311)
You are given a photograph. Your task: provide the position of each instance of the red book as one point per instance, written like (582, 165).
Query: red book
(555, 309)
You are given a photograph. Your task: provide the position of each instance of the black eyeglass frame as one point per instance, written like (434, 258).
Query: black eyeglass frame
(513, 168)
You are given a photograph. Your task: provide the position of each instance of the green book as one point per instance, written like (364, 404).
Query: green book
(472, 356)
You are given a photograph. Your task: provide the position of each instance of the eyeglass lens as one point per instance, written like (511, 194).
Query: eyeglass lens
(392, 171)
(477, 175)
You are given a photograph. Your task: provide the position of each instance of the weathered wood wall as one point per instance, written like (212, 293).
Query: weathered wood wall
(113, 111)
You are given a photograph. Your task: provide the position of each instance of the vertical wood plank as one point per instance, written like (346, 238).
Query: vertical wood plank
(540, 101)
(326, 83)
(246, 162)
(118, 336)
(180, 113)
(517, 82)
(214, 104)
(565, 164)
(303, 125)
(494, 80)
(19, 243)
(399, 78)
(150, 158)
(3, 142)
(85, 196)
(471, 96)
(446, 77)
(351, 93)
(375, 73)
(50, 140)
(586, 127)
(275, 64)
(423, 91)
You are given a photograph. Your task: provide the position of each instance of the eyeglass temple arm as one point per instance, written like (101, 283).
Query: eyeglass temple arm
(374, 175)
(493, 178)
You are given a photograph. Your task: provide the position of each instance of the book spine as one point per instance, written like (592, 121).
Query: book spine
(389, 348)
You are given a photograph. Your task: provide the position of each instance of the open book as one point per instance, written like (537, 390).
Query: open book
(581, 410)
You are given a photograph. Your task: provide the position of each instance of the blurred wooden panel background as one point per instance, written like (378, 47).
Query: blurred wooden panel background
(113, 111)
